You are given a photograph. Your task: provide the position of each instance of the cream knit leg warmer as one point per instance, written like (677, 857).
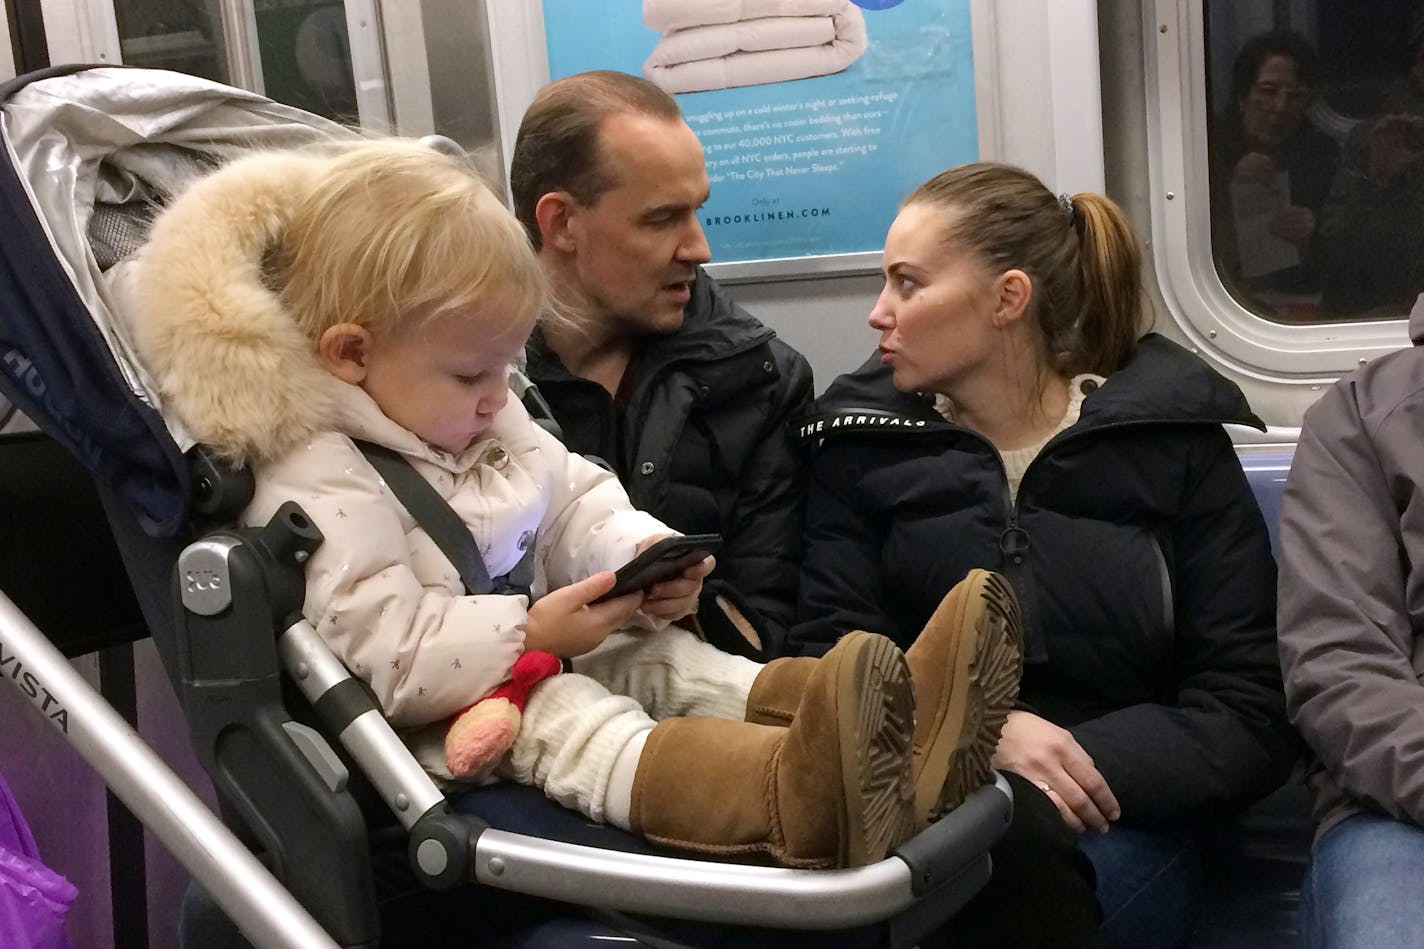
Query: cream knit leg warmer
(571, 736)
(672, 673)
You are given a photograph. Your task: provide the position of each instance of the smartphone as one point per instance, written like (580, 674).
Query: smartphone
(662, 561)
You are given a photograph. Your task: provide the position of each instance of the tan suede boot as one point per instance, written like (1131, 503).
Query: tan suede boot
(832, 790)
(966, 665)
(777, 690)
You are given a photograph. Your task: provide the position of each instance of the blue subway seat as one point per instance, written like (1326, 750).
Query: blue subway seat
(1256, 862)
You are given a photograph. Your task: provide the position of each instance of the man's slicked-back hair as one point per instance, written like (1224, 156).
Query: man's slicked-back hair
(557, 148)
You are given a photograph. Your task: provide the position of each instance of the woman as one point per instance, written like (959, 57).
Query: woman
(1272, 170)
(1013, 420)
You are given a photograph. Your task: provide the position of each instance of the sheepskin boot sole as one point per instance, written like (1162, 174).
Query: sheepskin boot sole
(832, 790)
(966, 665)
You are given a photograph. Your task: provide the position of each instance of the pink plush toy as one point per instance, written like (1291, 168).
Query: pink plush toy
(480, 735)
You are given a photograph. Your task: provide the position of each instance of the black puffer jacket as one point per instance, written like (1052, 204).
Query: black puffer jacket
(1140, 558)
(704, 443)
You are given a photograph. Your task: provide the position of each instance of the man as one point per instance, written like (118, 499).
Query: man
(1351, 627)
(646, 364)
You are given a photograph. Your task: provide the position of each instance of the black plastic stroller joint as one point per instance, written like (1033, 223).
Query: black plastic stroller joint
(441, 843)
(209, 570)
(219, 492)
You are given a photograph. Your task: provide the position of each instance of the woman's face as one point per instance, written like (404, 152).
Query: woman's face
(1273, 107)
(936, 313)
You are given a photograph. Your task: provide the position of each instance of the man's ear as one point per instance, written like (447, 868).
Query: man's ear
(554, 213)
(1015, 290)
(342, 351)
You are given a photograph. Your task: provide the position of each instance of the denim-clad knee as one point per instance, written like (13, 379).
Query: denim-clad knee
(1149, 885)
(1362, 888)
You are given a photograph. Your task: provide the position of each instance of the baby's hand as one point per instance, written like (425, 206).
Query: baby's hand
(567, 623)
(673, 599)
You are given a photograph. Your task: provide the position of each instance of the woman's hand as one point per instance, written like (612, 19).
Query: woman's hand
(1051, 758)
(567, 623)
(1294, 224)
(673, 599)
(1255, 165)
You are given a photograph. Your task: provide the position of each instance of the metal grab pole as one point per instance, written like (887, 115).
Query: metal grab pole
(249, 894)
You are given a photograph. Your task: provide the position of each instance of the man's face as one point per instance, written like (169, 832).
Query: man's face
(635, 248)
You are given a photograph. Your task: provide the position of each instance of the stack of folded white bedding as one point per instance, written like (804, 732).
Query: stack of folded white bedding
(718, 44)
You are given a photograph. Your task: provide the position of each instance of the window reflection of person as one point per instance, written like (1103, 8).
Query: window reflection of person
(1405, 94)
(1372, 227)
(1270, 155)
(323, 56)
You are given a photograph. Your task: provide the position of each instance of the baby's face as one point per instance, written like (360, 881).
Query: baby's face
(445, 379)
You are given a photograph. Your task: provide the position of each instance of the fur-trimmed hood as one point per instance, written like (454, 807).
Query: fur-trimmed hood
(231, 366)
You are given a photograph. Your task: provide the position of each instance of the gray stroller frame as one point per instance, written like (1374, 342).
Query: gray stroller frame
(88, 152)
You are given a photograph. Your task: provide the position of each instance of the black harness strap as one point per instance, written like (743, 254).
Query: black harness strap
(435, 516)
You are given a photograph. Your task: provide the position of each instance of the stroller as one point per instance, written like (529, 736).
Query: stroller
(88, 153)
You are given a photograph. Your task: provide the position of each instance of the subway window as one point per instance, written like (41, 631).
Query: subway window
(299, 51)
(172, 35)
(1315, 114)
(414, 68)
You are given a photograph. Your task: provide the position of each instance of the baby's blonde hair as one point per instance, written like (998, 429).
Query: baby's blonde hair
(393, 232)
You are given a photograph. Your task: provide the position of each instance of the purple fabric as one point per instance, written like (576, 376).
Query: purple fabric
(14, 832)
(33, 898)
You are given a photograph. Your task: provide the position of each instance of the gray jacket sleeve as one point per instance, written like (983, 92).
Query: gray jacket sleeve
(1346, 636)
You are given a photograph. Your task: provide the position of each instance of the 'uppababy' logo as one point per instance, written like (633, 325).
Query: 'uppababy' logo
(24, 372)
(47, 703)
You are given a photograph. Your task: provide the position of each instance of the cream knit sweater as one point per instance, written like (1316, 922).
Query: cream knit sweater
(1017, 460)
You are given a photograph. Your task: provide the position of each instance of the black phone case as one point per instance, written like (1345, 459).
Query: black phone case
(665, 559)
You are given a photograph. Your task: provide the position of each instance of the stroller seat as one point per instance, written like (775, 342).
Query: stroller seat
(88, 152)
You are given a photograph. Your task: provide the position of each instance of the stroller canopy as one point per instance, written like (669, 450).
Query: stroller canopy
(89, 154)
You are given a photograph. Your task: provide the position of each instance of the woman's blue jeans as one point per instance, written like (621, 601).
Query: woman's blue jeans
(1149, 886)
